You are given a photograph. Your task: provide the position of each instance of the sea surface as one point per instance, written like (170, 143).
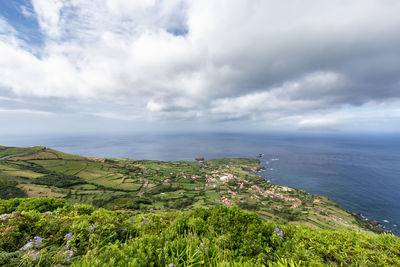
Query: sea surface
(360, 172)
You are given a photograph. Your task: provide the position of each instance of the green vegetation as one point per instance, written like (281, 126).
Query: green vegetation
(126, 184)
(81, 235)
(123, 212)
(9, 189)
(59, 180)
(7, 151)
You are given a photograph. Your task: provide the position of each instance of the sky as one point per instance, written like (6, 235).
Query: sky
(210, 65)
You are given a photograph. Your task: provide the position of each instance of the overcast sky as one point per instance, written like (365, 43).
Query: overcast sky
(127, 65)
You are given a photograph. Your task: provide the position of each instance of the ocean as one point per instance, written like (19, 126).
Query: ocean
(359, 172)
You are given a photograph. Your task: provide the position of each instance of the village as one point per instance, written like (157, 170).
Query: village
(144, 184)
(233, 187)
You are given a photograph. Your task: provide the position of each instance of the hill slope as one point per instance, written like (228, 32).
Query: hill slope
(49, 232)
(126, 184)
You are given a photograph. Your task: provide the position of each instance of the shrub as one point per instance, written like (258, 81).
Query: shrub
(84, 236)
(59, 180)
(27, 204)
(9, 189)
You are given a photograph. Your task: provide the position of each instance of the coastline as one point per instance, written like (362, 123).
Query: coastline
(169, 185)
(365, 222)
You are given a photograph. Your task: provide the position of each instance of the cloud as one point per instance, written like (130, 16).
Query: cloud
(318, 122)
(8, 34)
(48, 14)
(368, 118)
(27, 12)
(25, 111)
(309, 93)
(207, 60)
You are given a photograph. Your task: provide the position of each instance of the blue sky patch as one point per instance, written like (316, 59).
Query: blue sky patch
(21, 16)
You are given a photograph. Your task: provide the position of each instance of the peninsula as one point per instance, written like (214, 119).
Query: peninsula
(120, 184)
(53, 186)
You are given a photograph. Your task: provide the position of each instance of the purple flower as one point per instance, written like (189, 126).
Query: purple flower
(37, 240)
(68, 246)
(33, 254)
(171, 265)
(26, 246)
(151, 209)
(199, 246)
(69, 236)
(278, 232)
(69, 254)
(92, 227)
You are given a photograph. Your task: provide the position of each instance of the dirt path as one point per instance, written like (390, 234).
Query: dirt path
(143, 187)
(22, 154)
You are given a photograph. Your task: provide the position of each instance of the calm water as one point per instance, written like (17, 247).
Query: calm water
(360, 173)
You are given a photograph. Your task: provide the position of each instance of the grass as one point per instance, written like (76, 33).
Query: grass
(7, 151)
(173, 185)
(7, 167)
(73, 167)
(84, 187)
(81, 235)
(129, 186)
(41, 191)
(39, 155)
(23, 173)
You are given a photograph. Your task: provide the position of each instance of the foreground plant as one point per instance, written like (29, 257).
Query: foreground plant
(81, 235)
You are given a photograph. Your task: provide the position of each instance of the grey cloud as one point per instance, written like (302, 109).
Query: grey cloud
(208, 60)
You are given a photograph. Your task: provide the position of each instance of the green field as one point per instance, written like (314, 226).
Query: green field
(126, 184)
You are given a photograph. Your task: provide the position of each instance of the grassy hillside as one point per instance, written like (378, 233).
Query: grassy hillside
(49, 232)
(126, 184)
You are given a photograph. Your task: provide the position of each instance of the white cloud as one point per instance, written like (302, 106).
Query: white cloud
(25, 111)
(113, 115)
(207, 60)
(26, 12)
(8, 34)
(318, 122)
(48, 13)
(11, 99)
(126, 7)
(293, 97)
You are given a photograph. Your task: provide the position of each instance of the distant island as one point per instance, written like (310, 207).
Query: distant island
(168, 191)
